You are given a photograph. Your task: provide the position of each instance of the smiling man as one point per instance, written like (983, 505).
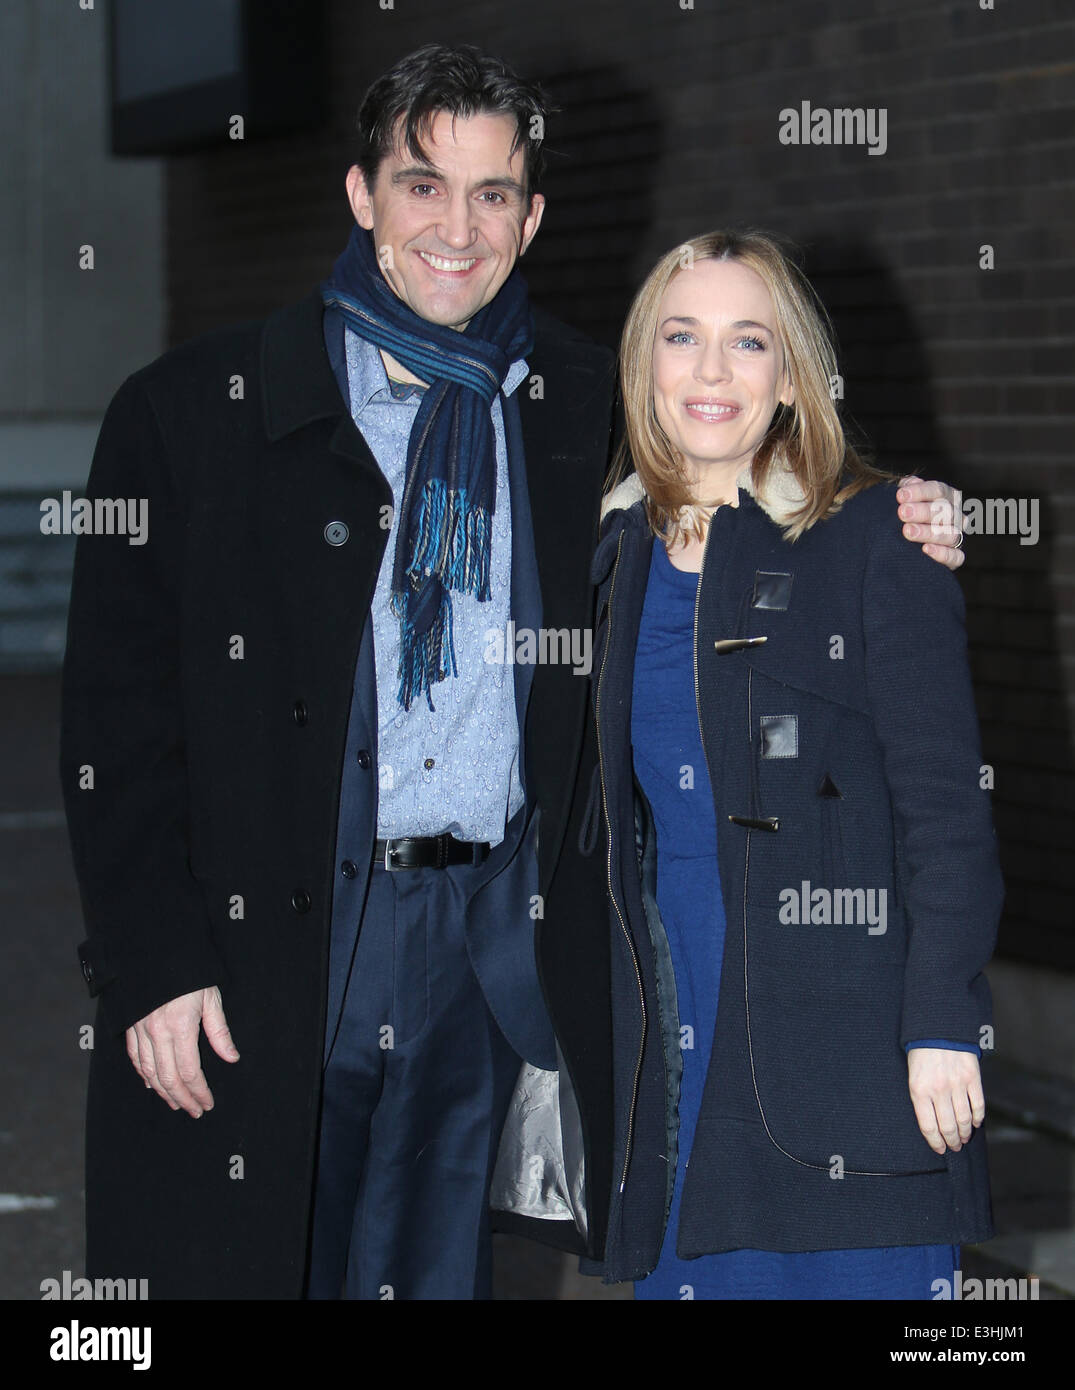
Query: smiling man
(295, 788)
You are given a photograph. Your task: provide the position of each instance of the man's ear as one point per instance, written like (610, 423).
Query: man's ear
(532, 221)
(358, 195)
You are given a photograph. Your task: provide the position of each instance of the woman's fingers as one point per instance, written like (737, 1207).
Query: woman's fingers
(946, 1092)
(927, 1122)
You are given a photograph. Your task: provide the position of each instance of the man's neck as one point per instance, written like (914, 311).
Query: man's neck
(397, 371)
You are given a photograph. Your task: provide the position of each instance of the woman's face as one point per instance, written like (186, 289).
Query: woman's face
(718, 371)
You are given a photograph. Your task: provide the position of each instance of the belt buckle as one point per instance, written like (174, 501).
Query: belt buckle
(388, 855)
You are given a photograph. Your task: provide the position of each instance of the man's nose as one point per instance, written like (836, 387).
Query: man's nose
(456, 227)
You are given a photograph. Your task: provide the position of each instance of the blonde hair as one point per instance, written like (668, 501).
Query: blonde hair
(806, 438)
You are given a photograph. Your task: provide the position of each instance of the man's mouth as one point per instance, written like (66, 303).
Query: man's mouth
(446, 265)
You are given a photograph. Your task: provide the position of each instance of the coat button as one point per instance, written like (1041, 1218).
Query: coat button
(299, 713)
(362, 757)
(300, 902)
(349, 868)
(336, 532)
(87, 972)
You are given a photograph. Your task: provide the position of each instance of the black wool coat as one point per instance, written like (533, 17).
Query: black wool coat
(841, 742)
(206, 690)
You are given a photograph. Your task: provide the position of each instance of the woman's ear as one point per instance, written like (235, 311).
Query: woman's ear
(787, 393)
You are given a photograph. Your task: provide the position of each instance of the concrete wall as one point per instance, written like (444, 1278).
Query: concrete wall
(68, 336)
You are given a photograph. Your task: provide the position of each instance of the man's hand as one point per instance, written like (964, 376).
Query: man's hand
(946, 1092)
(930, 513)
(163, 1048)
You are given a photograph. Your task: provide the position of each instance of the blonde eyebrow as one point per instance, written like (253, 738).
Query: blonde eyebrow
(740, 323)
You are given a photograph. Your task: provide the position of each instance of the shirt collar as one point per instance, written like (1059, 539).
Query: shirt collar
(368, 377)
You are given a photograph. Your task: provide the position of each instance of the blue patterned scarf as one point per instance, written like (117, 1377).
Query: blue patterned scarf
(450, 493)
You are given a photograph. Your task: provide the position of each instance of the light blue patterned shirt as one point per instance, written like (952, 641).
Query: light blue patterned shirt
(455, 767)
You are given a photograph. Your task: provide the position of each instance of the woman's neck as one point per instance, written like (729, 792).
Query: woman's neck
(685, 551)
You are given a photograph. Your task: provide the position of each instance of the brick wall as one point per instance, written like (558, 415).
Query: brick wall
(669, 127)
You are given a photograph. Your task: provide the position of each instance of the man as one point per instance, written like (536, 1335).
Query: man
(297, 787)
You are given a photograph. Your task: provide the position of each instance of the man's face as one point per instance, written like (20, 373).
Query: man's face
(448, 233)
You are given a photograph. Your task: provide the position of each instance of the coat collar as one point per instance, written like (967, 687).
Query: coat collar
(298, 384)
(781, 498)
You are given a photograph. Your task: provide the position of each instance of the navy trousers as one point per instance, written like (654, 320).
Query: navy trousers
(416, 1090)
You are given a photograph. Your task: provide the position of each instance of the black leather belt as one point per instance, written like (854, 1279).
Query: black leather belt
(428, 852)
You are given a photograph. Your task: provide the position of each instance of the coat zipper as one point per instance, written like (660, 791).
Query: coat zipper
(697, 599)
(611, 893)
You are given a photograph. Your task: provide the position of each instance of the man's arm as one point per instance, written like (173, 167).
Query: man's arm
(122, 761)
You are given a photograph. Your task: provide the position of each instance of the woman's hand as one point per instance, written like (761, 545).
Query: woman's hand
(946, 1092)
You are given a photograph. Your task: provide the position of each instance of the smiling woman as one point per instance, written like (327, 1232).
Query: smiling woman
(797, 1096)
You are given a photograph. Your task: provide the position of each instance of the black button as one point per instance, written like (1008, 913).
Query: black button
(299, 713)
(429, 762)
(87, 972)
(300, 902)
(336, 532)
(362, 757)
(349, 868)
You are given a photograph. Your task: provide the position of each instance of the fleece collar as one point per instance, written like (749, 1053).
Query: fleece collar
(781, 500)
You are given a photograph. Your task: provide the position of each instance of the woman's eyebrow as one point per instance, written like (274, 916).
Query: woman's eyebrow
(739, 323)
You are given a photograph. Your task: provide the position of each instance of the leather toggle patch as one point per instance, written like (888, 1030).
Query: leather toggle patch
(829, 788)
(771, 590)
(779, 735)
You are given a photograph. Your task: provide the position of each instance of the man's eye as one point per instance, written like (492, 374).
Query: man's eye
(423, 189)
(492, 193)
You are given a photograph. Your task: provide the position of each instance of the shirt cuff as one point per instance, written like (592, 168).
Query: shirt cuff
(943, 1042)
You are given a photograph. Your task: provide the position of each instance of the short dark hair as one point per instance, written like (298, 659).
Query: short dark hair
(462, 81)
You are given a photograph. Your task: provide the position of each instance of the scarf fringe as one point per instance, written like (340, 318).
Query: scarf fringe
(453, 540)
(425, 657)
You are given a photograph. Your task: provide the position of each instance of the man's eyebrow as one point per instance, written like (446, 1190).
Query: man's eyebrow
(739, 323)
(426, 171)
(416, 171)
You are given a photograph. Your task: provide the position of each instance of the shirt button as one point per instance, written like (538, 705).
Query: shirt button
(300, 901)
(336, 532)
(298, 713)
(429, 762)
(362, 757)
(348, 868)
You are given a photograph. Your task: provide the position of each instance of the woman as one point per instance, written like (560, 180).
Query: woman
(802, 868)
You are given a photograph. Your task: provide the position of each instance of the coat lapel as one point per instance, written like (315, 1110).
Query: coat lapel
(316, 510)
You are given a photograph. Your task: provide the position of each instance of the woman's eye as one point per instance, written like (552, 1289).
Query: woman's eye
(681, 337)
(753, 343)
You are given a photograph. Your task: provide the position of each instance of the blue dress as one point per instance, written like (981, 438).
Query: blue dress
(670, 765)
